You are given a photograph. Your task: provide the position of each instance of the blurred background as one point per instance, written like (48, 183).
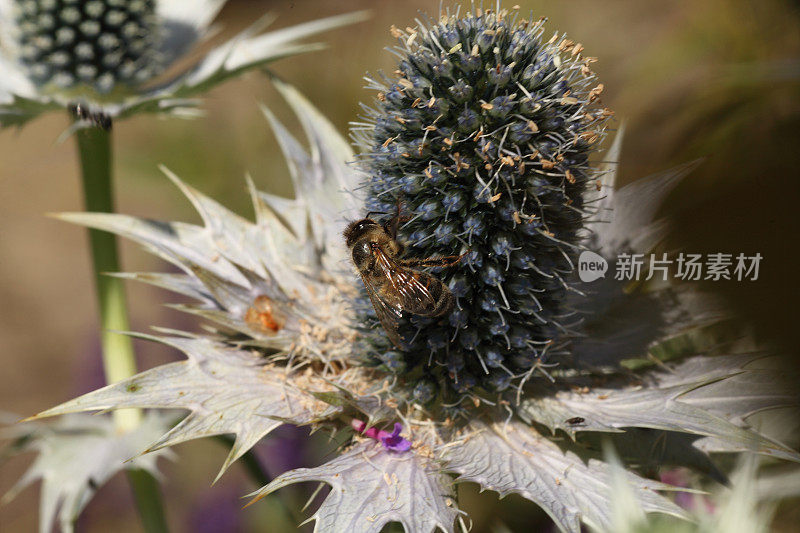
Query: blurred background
(718, 78)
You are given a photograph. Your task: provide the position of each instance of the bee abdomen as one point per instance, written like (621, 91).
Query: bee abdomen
(442, 299)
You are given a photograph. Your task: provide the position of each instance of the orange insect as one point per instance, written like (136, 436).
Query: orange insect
(263, 316)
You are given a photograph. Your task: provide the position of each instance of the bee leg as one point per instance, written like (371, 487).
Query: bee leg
(392, 225)
(446, 261)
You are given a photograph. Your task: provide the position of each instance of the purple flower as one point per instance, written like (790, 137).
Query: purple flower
(391, 441)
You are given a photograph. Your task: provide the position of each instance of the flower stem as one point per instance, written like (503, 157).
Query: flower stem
(261, 478)
(94, 147)
(147, 494)
(119, 362)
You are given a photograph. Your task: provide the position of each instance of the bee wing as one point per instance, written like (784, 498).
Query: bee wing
(387, 313)
(412, 287)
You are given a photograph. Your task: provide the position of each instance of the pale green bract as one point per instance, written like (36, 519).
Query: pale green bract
(739, 508)
(306, 372)
(77, 454)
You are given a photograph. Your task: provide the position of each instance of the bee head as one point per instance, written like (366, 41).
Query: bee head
(357, 228)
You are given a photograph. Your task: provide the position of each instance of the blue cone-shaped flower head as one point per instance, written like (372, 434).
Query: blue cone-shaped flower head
(482, 137)
(67, 44)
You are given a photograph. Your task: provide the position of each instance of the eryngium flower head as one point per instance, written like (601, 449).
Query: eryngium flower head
(103, 57)
(483, 139)
(104, 44)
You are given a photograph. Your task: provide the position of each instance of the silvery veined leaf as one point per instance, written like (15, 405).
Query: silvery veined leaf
(224, 245)
(372, 486)
(228, 391)
(288, 253)
(77, 454)
(226, 260)
(701, 395)
(513, 458)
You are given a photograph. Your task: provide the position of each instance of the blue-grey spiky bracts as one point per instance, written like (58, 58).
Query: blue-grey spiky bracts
(483, 137)
(97, 44)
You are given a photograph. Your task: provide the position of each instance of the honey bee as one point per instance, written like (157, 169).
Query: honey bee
(393, 286)
(264, 317)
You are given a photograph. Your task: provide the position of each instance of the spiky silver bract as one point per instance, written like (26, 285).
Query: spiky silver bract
(106, 55)
(407, 488)
(76, 455)
(483, 138)
(738, 508)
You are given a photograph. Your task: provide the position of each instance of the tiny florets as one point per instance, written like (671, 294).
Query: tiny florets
(483, 137)
(98, 43)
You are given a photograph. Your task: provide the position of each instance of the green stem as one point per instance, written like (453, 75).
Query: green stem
(257, 473)
(94, 147)
(119, 362)
(147, 494)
